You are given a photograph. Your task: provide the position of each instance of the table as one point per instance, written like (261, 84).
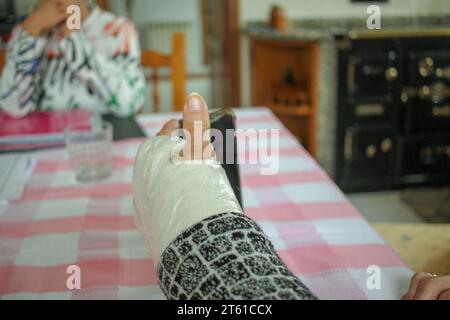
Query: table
(59, 222)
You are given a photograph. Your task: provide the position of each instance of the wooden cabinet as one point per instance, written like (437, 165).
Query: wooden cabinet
(284, 77)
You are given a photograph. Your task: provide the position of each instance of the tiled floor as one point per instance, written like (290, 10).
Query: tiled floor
(384, 206)
(424, 247)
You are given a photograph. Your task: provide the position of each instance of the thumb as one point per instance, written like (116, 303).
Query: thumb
(196, 124)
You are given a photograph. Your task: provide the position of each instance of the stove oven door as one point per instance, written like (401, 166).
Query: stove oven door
(367, 152)
(371, 73)
(422, 154)
(426, 95)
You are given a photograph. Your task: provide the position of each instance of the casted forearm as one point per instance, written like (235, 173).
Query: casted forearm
(202, 244)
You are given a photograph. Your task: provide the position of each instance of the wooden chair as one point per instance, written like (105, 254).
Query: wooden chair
(2, 60)
(104, 4)
(177, 62)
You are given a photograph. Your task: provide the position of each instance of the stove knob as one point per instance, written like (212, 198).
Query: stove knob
(386, 145)
(443, 73)
(391, 74)
(437, 92)
(392, 56)
(407, 93)
(424, 92)
(426, 67)
(371, 151)
(404, 97)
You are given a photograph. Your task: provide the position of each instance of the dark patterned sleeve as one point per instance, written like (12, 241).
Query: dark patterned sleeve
(227, 257)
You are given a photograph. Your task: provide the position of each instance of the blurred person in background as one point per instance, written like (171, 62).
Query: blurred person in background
(51, 67)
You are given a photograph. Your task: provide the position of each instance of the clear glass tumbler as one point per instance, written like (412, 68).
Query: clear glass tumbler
(90, 151)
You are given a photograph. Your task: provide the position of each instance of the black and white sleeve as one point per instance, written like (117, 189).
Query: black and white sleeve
(227, 256)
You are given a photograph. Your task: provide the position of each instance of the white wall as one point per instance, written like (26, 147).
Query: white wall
(165, 10)
(148, 12)
(298, 9)
(24, 6)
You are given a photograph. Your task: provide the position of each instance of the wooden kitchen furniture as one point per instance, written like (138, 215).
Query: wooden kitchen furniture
(284, 77)
(2, 60)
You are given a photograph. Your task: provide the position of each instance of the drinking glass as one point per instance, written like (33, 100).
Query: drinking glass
(90, 150)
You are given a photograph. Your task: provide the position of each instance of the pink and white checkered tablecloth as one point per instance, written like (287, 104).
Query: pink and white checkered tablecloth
(59, 222)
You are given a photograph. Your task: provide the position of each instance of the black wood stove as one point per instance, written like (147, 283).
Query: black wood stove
(393, 121)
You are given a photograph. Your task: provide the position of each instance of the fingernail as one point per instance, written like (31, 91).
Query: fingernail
(194, 93)
(194, 103)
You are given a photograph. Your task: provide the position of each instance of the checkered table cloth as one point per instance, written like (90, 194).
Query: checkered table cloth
(59, 222)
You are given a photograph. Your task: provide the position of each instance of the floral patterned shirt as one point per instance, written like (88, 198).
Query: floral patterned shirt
(97, 68)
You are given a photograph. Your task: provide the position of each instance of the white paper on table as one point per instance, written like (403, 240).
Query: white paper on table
(15, 171)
